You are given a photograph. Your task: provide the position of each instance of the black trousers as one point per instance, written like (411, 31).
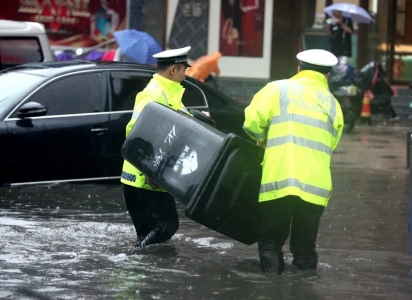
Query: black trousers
(153, 214)
(279, 218)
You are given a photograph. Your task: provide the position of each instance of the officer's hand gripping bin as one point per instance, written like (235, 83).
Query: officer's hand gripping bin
(217, 176)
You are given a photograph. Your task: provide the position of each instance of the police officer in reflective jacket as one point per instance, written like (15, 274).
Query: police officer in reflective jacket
(152, 210)
(299, 123)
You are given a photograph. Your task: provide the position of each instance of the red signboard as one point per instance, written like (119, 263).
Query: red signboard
(74, 23)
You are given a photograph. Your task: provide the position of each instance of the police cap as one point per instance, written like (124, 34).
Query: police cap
(174, 56)
(317, 60)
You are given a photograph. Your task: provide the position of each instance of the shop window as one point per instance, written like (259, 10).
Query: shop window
(401, 19)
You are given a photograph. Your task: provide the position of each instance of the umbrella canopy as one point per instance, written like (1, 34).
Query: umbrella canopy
(137, 45)
(356, 13)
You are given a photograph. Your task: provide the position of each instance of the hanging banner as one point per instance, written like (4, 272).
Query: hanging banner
(190, 27)
(72, 23)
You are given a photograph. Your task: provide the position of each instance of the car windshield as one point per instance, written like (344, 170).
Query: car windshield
(11, 87)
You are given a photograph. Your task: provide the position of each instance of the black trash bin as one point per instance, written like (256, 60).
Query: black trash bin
(172, 148)
(217, 176)
(227, 199)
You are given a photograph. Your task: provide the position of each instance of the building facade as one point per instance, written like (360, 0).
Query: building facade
(258, 39)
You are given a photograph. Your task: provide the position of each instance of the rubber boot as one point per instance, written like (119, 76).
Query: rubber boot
(272, 262)
(153, 237)
(305, 262)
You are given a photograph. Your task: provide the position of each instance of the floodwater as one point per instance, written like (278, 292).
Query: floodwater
(74, 241)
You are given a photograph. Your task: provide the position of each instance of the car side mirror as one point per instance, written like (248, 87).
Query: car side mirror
(32, 109)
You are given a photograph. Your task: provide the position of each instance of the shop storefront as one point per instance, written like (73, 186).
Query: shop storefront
(387, 39)
(240, 30)
(77, 23)
(400, 45)
(258, 39)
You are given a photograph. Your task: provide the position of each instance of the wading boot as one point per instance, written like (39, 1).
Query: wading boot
(272, 262)
(153, 237)
(305, 262)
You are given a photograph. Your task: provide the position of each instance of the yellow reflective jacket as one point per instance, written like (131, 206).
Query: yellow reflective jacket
(301, 123)
(164, 91)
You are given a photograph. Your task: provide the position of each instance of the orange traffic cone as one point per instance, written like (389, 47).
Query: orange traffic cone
(366, 108)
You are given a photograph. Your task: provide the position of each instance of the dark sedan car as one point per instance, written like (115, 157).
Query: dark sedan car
(65, 121)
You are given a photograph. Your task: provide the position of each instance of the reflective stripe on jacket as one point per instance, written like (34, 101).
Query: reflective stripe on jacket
(164, 91)
(301, 123)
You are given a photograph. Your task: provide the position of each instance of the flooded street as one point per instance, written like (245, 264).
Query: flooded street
(74, 241)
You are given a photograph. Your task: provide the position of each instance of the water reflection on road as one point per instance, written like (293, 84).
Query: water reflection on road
(73, 241)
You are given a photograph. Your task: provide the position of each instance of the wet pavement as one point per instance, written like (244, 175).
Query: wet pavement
(73, 241)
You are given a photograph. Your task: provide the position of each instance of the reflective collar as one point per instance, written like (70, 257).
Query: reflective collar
(168, 85)
(312, 76)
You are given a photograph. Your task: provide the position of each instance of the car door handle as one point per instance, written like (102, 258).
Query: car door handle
(98, 129)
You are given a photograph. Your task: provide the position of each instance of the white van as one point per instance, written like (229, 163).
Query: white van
(23, 42)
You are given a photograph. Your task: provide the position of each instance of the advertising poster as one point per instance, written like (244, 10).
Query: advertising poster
(71, 23)
(241, 28)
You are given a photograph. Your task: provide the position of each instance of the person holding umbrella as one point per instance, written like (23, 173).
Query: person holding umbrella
(340, 31)
(340, 26)
(153, 210)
